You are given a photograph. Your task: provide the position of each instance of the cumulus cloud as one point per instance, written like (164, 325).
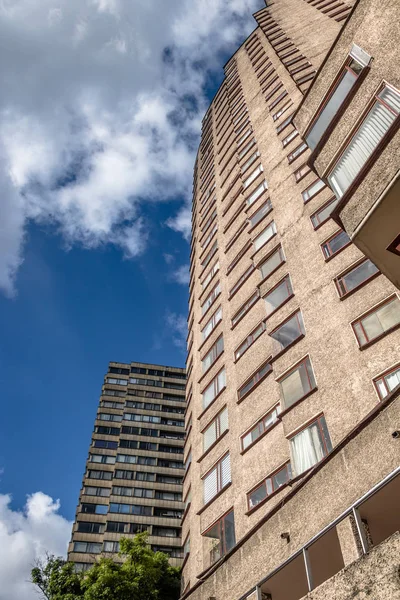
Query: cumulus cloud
(181, 275)
(26, 536)
(100, 112)
(177, 325)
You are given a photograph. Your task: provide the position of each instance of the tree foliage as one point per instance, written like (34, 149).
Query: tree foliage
(143, 575)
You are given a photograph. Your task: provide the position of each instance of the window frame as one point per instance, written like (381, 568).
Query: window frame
(333, 200)
(383, 142)
(328, 240)
(307, 425)
(312, 386)
(290, 295)
(285, 467)
(342, 108)
(348, 270)
(217, 421)
(369, 312)
(249, 340)
(260, 421)
(382, 376)
(257, 379)
(301, 330)
(217, 466)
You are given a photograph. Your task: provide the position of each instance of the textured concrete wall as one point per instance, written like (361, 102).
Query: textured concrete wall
(343, 373)
(375, 576)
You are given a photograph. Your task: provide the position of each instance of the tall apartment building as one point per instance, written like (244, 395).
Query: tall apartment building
(292, 451)
(134, 470)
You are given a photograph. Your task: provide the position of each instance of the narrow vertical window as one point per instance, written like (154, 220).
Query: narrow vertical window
(310, 445)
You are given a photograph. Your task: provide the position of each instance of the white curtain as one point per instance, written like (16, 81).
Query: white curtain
(307, 449)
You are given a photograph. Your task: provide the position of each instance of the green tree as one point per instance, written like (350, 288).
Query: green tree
(144, 575)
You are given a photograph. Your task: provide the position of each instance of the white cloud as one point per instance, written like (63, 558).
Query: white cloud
(100, 112)
(177, 325)
(181, 275)
(26, 536)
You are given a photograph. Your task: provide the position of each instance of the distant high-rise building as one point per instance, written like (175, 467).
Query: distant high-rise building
(292, 454)
(134, 471)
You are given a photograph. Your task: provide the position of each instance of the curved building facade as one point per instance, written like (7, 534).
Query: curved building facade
(293, 344)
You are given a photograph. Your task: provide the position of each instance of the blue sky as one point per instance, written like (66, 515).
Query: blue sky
(100, 115)
(75, 311)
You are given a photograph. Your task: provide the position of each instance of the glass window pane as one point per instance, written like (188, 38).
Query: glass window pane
(257, 496)
(278, 295)
(344, 86)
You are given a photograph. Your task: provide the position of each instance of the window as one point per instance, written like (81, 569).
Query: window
(265, 236)
(107, 392)
(136, 460)
(129, 491)
(260, 213)
(217, 478)
(105, 475)
(170, 464)
(355, 277)
(249, 341)
(87, 547)
(107, 430)
(334, 101)
(215, 292)
(102, 458)
(114, 381)
(363, 143)
(142, 418)
(109, 417)
(255, 379)
(246, 148)
(246, 306)
(270, 485)
(250, 161)
(186, 546)
(133, 509)
(287, 333)
(335, 243)
(96, 491)
(105, 444)
(272, 263)
(286, 140)
(297, 383)
(214, 388)
(212, 355)
(323, 213)
(244, 137)
(253, 176)
(166, 532)
(222, 534)
(167, 513)
(387, 382)
(111, 547)
(241, 280)
(118, 371)
(139, 370)
(175, 386)
(262, 426)
(210, 254)
(296, 152)
(94, 509)
(211, 324)
(279, 294)
(301, 172)
(215, 429)
(109, 404)
(209, 236)
(312, 190)
(284, 124)
(214, 269)
(377, 322)
(121, 527)
(88, 527)
(149, 382)
(282, 110)
(310, 445)
(257, 193)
